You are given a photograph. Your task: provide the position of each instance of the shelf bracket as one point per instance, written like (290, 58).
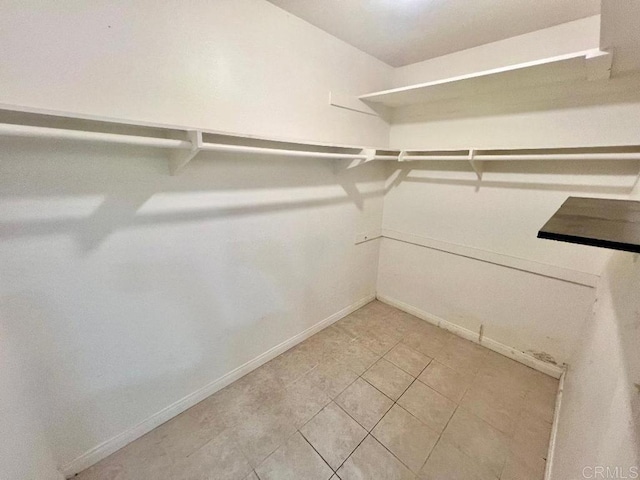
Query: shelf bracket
(401, 156)
(475, 164)
(350, 103)
(598, 65)
(179, 158)
(369, 153)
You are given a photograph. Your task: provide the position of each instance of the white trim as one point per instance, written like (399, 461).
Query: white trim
(349, 102)
(554, 428)
(552, 370)
(517, 263)
(368, 236)
(110, 446)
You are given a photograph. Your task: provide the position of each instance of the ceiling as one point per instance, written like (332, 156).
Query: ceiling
(400, 32)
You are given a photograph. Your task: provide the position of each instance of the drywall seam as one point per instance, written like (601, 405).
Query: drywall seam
(516, 263)
(554, 428)
(108, 447)
(552, 370)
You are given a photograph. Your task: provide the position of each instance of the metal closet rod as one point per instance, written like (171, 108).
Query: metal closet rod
(221, 147)
(30, 131)
(64, 134)
(528, 156)
(366, 154)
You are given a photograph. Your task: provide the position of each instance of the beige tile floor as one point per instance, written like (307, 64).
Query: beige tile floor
(378, 395)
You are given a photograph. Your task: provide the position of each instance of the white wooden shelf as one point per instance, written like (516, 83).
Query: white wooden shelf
(183, 143)
(585, 65)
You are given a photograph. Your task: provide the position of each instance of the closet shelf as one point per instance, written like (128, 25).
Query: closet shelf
(182, 150)
(597, 222)
(585, 65)
(12, 130)
(183, 144)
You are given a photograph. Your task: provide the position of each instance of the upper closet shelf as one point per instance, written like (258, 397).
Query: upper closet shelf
(586, 65)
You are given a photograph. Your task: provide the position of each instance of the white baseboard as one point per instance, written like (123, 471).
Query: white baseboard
(517, 355)
(554, 429)
(110, 446)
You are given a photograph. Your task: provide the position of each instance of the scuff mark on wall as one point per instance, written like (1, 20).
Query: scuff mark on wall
(481, 333)
(638, 387)
(543, 356)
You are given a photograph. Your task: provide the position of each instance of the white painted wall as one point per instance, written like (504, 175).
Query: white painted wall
(565, 38)
(599, 423)
(232, 65)
(529, 313)
(24, 449)
(503, 212)
(124, 290)
(564, 115)
(499, 218)
(600, 417)
(501, 215)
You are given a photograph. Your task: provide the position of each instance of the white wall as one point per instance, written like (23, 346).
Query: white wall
(467, 252)
(497, 218)
(561, 39)
(503, 212)
(563, 115)
(127, 289)
(516, 309)
(599, 422)
(24, 448)
(124, 290)
(233, 65)
(443, 204)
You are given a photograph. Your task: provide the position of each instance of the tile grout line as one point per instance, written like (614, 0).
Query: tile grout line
(396, 403)
(332, 400)
(439, 434)
(452, 414)
(458, 406)
(369, 341)
(317, 452)
(380, 356)
(353, 338)
(370, 433)
(387, 411)
(365, 428)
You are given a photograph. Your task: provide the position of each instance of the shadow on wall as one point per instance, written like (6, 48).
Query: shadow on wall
(597, 177)
(114, 313)
(127, 182)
